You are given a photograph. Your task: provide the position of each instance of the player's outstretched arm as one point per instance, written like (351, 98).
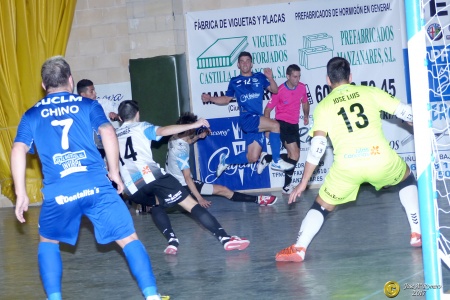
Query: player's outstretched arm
(204, 132)
(315, 153)
(174, 129)
(18, 169)
(301, 187)
(222, 100)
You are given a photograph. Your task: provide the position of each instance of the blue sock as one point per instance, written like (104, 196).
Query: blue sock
(54, 296)
(141, 267)
(241, 158)
(50, 268)
(275, 145)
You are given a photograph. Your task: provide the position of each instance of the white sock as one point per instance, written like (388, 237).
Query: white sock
(410, 201)
(311, 224)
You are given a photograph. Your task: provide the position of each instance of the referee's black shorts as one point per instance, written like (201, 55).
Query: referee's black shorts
(289, 133)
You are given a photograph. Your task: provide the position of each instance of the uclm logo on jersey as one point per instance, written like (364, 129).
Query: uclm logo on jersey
(58, 100)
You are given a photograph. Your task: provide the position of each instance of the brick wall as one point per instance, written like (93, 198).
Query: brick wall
(107, 33)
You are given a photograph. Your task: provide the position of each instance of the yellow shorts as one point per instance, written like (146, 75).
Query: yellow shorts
(342, 183)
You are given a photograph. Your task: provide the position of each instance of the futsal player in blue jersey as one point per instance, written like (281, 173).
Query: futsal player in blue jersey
(76, 183)
(248, 89)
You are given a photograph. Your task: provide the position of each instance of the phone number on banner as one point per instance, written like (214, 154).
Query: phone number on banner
(388, 85)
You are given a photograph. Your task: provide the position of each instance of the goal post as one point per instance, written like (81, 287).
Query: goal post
(424, 137)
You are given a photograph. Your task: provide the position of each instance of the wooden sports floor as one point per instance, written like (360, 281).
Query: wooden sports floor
(362, 245)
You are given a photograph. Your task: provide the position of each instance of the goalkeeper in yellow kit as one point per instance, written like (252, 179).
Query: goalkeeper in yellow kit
(350, 116)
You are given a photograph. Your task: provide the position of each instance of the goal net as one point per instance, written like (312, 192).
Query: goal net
(428, 28)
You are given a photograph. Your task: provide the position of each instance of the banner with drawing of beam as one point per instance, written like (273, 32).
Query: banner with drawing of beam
(371, 35)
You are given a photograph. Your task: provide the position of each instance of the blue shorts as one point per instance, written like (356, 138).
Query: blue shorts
(61, 216)
(249, 122)
(250, 126)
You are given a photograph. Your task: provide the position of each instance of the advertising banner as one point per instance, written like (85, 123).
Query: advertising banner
(111, 95)
(369, 34)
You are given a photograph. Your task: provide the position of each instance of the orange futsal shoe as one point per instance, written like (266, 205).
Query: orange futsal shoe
(416, 239)
(291, 253)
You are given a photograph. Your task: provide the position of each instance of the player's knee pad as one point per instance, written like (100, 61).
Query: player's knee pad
(320, 209)
(410, 180)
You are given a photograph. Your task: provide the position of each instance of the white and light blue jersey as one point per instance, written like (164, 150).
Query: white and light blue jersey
(60, 127)
(137, 167)
(178, 159)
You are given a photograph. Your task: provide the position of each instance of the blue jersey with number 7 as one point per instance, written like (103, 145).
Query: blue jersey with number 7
(60, 127)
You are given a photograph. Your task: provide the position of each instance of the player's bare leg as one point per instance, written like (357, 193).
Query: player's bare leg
(253, 152)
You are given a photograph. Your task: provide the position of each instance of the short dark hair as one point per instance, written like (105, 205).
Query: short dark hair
(245, 53)
(55, 72)
(83, 84)
(187, 118)
(292, 68)
(338, 70)
(128, 110)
